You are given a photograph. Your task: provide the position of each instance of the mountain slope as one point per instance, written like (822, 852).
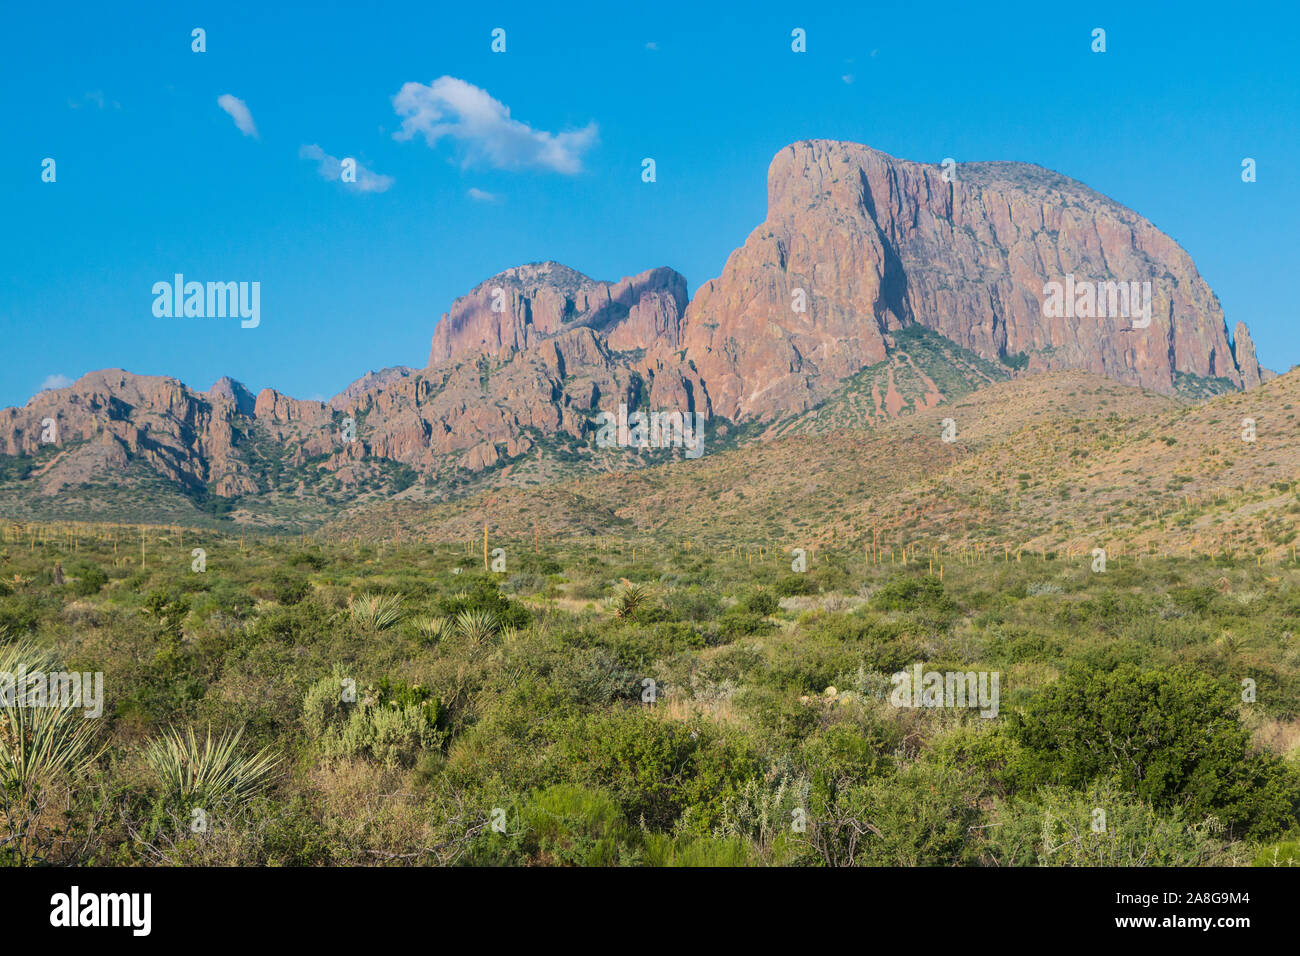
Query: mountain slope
(1059, 460)
(922, 370)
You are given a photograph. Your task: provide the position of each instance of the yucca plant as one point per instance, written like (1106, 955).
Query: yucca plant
(212, 771)
(40, 747)
(38, 744)
(432, 629)
(476, 626)
(378, 612)
(629, 599)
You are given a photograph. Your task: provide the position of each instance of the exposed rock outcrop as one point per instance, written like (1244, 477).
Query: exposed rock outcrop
(876, 243)
(368, 383)
(523, 306)
(1243, 350)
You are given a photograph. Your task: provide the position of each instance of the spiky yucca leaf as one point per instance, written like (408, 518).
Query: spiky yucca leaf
(431, 628)
(39, 743)
(476, 626)
(24, 655)
(378, 612)
(629, 599)
(213, 770)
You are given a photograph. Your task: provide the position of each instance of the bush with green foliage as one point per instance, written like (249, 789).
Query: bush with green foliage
(657, 769)
(1102, 826)
(392, 725)
(1172, 737)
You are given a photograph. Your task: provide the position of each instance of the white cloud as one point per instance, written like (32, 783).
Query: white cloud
(331, 168)
(482, 195)
(652, 45)
(54, 381)
(483, 125)
(847, 78)
(238, 111)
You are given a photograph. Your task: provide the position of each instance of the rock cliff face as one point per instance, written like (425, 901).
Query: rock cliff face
(1243, 350)
(368, 383)
(874, 286)
(474, 412)
(876, 243)
(111, 417)
(524, 306)
(234, 393)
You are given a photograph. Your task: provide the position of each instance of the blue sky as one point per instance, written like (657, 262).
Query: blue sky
(154, 177)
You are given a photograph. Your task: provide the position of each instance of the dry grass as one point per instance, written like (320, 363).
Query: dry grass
(1281, 737)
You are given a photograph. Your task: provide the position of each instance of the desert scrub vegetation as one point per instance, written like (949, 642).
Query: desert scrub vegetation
(328, 703)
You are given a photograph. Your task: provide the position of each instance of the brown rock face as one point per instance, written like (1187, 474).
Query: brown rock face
(368, 383)
(234, 393)
(524, 306)
(304, 429)
(532, 353)
(107, 419)
(475, 412)
(875, 243)
(1243, 349)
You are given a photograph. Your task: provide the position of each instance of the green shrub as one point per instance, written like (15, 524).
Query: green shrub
(691, 604)
(737, 622)
(1103, 826)
(287, 588)
(795, 584)
(705, 851)
(89, 578)
(922, 815)
(1170, 736)
(655, 768)
(482, 595)
(1286, 853)
(392, 726)
(569, 825)
(908, 593)
(763, 603)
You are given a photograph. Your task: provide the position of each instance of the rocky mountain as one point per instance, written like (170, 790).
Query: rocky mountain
(527, 357)
(526, 305)
(868, 244)
(113, 426)
(111, 417)
(875, 288)
(370, 382)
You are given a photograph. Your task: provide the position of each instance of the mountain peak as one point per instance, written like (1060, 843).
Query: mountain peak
(525, 305)
(858, 244)
(235, 393)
